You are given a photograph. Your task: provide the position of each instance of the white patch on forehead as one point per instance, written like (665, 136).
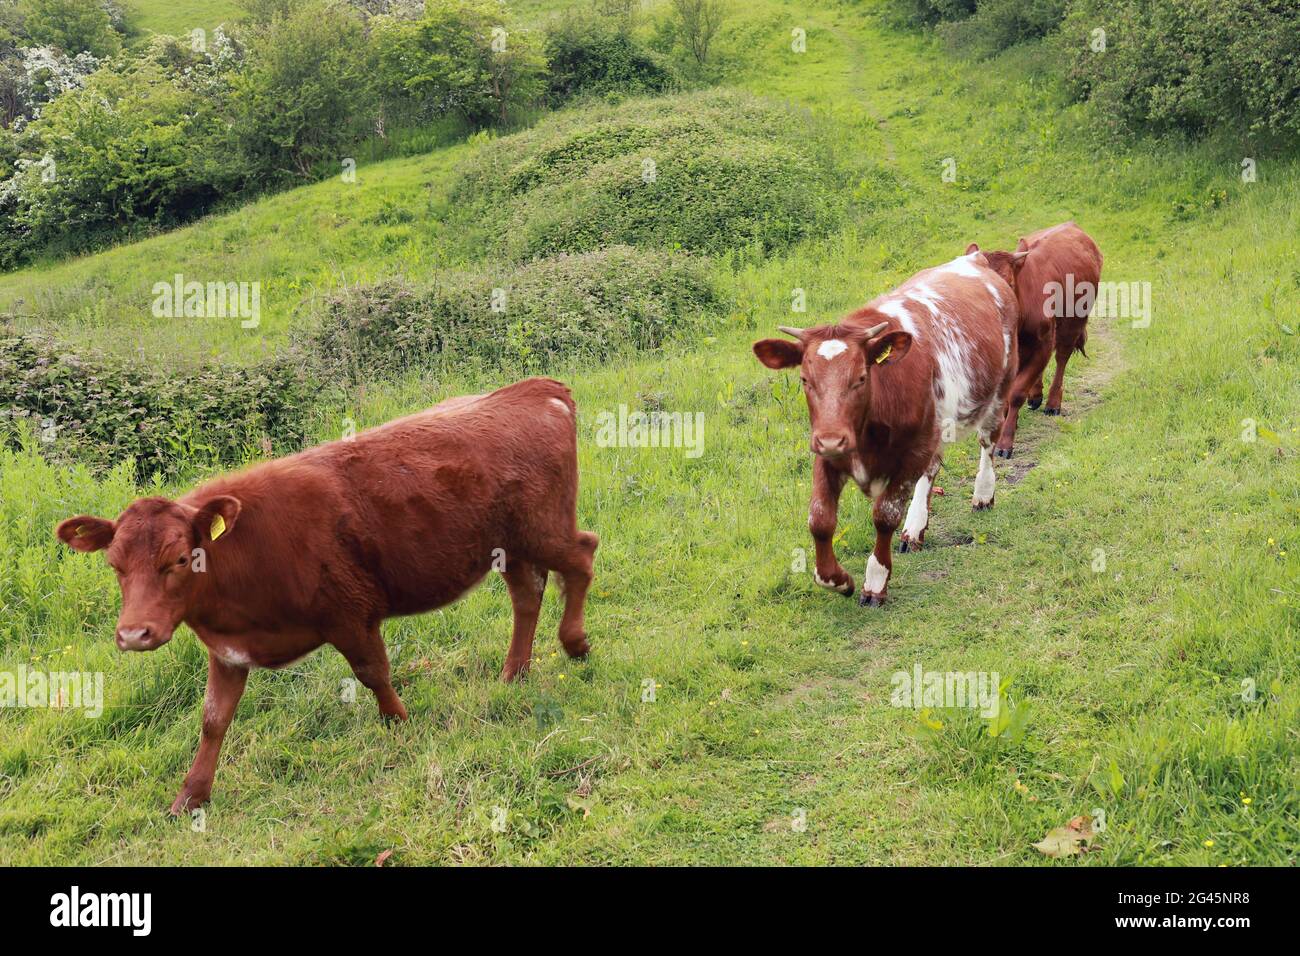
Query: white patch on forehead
(831, 348)
(993, 291)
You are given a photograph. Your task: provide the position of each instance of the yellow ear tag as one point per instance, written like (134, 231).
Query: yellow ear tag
(218, 527)
(885, 354)
(80, 532)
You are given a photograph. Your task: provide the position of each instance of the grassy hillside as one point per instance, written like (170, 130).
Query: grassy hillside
(179, 17)
(1142, 562)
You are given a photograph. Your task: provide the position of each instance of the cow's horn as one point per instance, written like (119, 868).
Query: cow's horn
(877, 329)
(790, 330)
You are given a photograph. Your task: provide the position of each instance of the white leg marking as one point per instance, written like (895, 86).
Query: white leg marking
(918, 513)
(877, 576)
(985, 479)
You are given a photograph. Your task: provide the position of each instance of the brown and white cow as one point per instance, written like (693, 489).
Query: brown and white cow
(269, 564)
(1055, 273)
(886, 387)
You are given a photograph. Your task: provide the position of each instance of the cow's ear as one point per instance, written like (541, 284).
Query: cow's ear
(888, 348)
(86, 533)
(973, 247)
(778, 353)
(1022, 246)
(216, 518)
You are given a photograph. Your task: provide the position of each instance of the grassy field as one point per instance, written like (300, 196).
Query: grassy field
(1143, 560)
(179, 17)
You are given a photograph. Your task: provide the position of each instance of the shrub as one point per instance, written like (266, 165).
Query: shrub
(998, 24)
(1189, 64)
(305, 90)
(590, 306)
(461, 58)
(705, 172)
(73, 26)
(101, 410)
(592, 56)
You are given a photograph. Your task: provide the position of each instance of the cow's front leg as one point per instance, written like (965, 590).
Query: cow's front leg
(823, 514)
(225, 687)
(886, 513)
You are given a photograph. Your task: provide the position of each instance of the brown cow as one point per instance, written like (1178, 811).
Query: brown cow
(1055, 273)
(914, 368)
(318, 548)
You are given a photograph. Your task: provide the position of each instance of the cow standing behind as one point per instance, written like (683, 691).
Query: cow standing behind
(890, 383)
(320, 547)
(1055, 273)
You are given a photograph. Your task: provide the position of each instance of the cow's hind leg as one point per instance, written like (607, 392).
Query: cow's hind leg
(918, 513)
(369, 661)
(1034, 354)
(1071, 336)
(574, 566)
(527, 583)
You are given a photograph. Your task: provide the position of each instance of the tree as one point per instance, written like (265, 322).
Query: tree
(304, 93)
(462, 58)
(74, 26)
(698, 21)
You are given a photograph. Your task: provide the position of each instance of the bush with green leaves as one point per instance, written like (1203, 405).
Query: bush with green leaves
(72, 26)
(594, 56)
(130, 148)
(706, 172)
(463, 58)
(101, 410)
(1190, 65)
(995, 25)
(526, 319)
(305, 91)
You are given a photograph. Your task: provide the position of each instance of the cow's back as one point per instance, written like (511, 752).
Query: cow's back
(405, 517)
(961, 316)
(1060, 257)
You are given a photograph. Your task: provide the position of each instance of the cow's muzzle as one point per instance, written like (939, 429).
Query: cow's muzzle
(141, 637)
(831, 446)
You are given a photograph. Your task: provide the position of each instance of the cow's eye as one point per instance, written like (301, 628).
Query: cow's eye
(183, 560)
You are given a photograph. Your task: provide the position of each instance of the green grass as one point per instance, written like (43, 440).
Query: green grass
(179, 17)
(773, 696)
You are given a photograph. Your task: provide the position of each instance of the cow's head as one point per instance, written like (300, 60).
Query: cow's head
(157, 548)
(834, 363)
(1005, 264)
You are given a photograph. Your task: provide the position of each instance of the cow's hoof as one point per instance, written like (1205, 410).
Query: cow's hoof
(1002, 452)
(188, 800)
(844, 587)
(1035, 402)
(982, 505)
(870, 600)
(906, 544)
(577, 647)
(1051, 411)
